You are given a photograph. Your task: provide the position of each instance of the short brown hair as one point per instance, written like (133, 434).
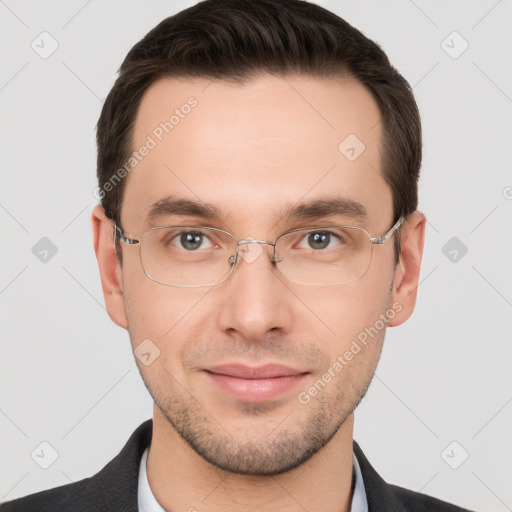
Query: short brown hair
(237, 40)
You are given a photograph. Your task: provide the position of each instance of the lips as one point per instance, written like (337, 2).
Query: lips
(268, 371)
(255, 384)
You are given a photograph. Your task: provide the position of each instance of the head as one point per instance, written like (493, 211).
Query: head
(255, 111)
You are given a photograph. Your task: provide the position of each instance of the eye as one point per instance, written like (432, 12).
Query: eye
(192, 240)
(319, 240)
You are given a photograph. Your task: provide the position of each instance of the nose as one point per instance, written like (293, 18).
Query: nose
(255, 298)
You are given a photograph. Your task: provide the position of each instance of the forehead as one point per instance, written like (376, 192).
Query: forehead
(252, 148)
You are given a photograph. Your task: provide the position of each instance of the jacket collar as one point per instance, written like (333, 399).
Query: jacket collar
(115, 487)
(378, 493)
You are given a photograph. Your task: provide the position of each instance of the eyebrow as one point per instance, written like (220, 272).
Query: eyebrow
(305, 211)
(170, 205)
(327, 207)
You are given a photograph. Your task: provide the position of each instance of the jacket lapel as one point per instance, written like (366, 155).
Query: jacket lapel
(115, 487)
(378, 493)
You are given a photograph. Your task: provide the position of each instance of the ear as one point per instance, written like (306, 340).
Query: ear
(110, 269)
(407, 273)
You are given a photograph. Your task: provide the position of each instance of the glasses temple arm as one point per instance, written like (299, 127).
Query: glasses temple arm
(388, 235)
(119, 233)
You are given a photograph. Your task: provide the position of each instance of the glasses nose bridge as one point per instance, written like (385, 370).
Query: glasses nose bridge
(251, 241)
(241, 243)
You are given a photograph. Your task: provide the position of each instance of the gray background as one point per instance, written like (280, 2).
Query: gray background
(67, 375)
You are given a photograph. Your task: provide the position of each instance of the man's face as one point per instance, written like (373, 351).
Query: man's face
(254, 151)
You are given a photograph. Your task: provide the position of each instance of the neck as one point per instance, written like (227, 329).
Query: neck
(180, 479)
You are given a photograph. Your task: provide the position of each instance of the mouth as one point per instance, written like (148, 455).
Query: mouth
(255, 384)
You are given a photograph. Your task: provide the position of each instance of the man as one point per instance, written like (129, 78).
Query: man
(257, 233)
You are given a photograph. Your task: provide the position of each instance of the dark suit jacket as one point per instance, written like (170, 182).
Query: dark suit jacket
(114, 488)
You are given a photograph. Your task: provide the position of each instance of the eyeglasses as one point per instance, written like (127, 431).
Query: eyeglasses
(190, 256)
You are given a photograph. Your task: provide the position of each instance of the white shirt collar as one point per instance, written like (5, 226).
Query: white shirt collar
(147, 501)
(359, 501)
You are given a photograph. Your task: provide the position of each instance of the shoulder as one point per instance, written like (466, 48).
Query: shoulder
(417, 502)
(383, 496)
(58, 499)
(113, 489)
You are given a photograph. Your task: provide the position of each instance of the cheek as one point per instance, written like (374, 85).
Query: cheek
(342, 313)
(153, 310)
